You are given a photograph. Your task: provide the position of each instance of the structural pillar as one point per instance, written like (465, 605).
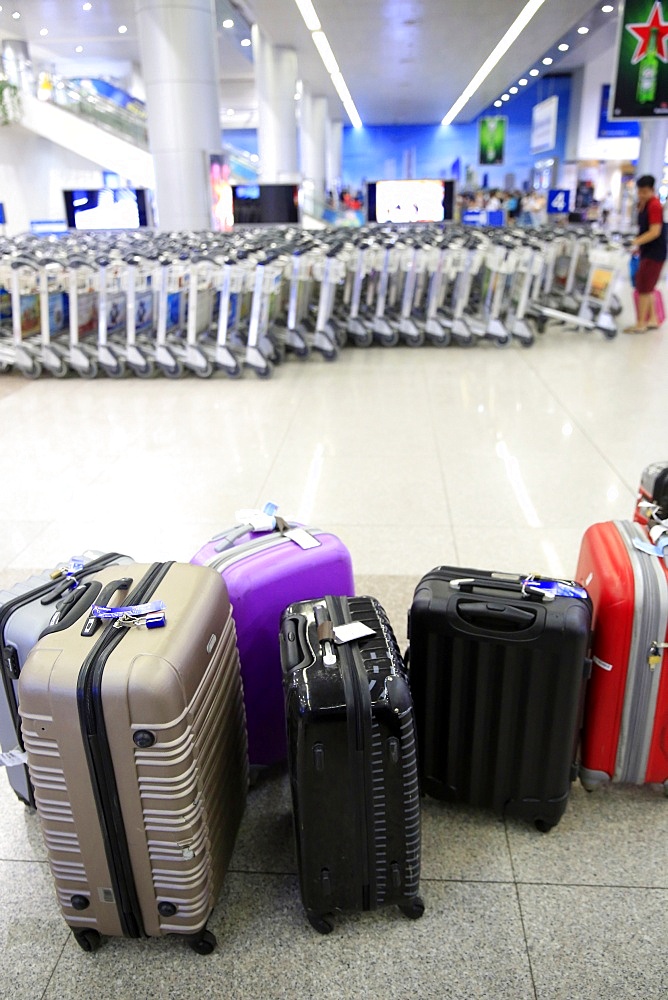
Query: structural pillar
(652, 155)
(276, 84)
(178, 43)
(334, 154)
(313, 145)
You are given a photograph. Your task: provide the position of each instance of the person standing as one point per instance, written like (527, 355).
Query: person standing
(651, 246)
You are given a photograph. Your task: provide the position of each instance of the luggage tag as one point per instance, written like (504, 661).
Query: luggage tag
(152, 614)
(350, 632)
(551, 589)
(13, 758)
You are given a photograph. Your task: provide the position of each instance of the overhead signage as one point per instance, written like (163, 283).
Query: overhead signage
(607, 129)
(544, 125)
(492, 140)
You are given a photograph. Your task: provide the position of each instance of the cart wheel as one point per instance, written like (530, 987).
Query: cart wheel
(233, 372)
(462, 341)
(412, 910)
(172, 371)
(34, 371)
(609, 334)
(147, 370)
(526, 341)
(4, 369)
(265, 372)
(330, 355)
(119, 370)
(61, 370)
(362, 339)
(320, 924)
(205, 372)
(501, 341)
(300, 352)
(415, 341)
(204, 943)
(88, 939)
(442, 341)
(543, 826)
(90, 371)
(389, 340)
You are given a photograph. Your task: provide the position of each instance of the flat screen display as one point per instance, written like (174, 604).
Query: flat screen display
(410, 201)
(258, 204)
(107, 208)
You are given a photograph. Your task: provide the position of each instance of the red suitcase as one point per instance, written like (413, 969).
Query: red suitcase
(652, 498)
(625, 731)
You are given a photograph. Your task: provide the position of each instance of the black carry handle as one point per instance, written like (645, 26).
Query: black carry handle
(500, 617)
(513, 585)
(294, 641)
(325, 631)
(91, 624)
(72, 607)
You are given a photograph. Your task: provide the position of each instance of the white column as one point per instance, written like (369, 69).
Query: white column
(276, 83)
(652, 155)
(178, 43)
(313, 141)
(334, 171)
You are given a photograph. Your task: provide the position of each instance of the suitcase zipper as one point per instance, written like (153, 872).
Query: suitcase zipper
(231, 556)
(10, 661)
(100, 765)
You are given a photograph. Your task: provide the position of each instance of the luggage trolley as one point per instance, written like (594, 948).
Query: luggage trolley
(172, 354)
(84, 306)
(260, 348)
(38, 310)
(595, 311)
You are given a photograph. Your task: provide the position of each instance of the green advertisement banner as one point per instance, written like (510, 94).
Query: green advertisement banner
(641, 86)
(492, 140)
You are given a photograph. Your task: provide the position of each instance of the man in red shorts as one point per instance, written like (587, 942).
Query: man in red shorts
(651, 244)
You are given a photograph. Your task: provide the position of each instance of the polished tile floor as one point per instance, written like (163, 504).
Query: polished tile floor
(496, 458)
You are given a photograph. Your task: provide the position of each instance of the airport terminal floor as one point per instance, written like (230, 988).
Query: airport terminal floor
(490, 458)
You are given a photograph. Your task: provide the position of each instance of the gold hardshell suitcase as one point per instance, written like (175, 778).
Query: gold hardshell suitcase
(135, 732)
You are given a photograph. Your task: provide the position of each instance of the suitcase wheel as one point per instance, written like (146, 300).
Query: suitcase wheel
(203, 943)
(543, 826)
(414, 909)
(319, 923)
(88, 939)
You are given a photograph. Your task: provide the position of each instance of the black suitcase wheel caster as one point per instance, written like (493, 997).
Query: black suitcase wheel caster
(543, 826)
(414, 909)
(320, 924)
(204, 943)
(88, 939)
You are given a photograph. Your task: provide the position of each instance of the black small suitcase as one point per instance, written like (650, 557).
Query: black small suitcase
(498, 665)
(352, 760)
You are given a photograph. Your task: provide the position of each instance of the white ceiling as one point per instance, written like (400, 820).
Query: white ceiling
(404, 61)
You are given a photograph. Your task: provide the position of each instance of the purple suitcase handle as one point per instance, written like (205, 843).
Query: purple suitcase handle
(226, 539)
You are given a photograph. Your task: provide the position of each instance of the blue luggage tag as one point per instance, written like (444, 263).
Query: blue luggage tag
(151, 614)
(550, 589)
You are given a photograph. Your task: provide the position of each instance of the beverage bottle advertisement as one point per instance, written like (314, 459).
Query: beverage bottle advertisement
(116, 313)
(641, 87)
(144, 312)
(492, 139)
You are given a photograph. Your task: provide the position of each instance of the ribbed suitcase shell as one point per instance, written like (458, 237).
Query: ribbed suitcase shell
(264, 573)
(625, 732)
(497, 706)
(353, 767)
(23, 616)
(153, 863)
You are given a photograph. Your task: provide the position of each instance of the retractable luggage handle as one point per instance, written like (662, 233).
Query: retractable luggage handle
(529, 587)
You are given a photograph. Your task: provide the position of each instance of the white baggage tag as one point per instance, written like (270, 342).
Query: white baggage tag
(13, 758)
(351, 631)
(258, 520)
(303, 538)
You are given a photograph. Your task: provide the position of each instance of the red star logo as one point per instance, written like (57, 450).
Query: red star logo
(643, 33)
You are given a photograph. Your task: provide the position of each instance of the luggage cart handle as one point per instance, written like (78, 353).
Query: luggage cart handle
(499, 617)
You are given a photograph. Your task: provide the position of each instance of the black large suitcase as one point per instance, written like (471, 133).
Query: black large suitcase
(352, 759)
(498, 665)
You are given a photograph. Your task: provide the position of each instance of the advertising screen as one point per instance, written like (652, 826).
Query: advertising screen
(410, 201)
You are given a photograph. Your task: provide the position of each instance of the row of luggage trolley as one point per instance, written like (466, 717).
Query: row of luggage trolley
(137, 697)
(171, 303)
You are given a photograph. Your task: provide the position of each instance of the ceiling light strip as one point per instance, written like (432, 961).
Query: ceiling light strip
(312, 22)
(497, 53)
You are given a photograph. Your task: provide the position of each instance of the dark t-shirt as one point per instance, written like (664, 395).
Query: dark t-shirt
(649, 216)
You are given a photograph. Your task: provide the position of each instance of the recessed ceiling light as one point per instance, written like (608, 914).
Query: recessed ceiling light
(228, 23)
(44, 32)
(79, 48)
(230, 112)
(87, 6)
(583, 31)
(245, 42)
(534, 72)
(505, 97)
(564, 47)
(548, 60)
(523, 82)
(498, 104)
(607, 8)
(254, 157)
(512, 90)
(16, 15)
(122, 28)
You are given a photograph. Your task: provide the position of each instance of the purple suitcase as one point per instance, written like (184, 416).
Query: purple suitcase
(265, 571)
